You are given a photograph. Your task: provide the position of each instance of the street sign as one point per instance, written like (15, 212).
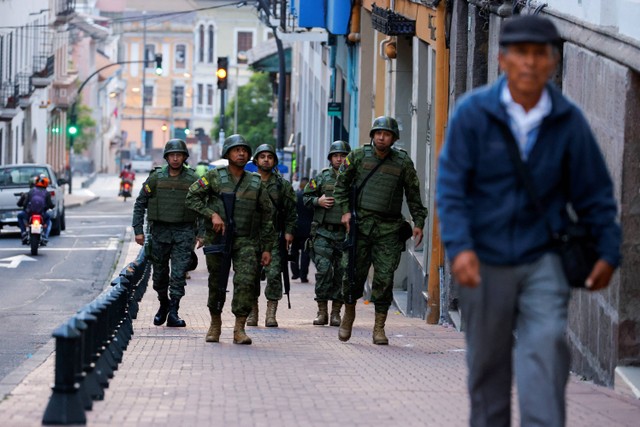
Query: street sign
(334, 109)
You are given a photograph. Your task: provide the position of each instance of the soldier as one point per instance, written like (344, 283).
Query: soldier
(285, 216)
(380, 175)
(172, 229)
(328, 235)
(253, 238)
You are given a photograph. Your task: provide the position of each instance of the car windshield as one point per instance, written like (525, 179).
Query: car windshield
(19, 176)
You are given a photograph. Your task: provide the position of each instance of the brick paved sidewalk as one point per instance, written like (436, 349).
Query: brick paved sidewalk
(294, 375)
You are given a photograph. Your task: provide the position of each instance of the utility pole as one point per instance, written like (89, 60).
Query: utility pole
(144, 79)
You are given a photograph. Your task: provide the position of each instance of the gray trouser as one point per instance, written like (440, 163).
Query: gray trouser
(523, 306)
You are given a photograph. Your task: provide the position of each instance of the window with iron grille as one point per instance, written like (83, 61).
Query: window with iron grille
(210, 45)
(150, 56)
(178, 96)
(148, 95)
(244, 42)
(181, 56)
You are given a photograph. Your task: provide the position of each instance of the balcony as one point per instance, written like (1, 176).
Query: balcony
(64, 91)
(25, 90)
(43, 67)
(65, 10)
(8, 101)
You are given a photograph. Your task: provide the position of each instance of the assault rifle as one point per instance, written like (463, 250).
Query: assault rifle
(351, 245)
(225, 248)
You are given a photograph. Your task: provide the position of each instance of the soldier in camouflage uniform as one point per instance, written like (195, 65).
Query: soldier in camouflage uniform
(285, 216)
(328, 236)
(378, 211)
(172, 229)
(253, 238)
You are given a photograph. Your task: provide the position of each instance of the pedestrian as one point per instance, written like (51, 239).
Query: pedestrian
(172, 229)
(252, 240)
(36, 201)
(300, 258)
(380, 174)
(514, 295)
(328, 236)
(283, 199)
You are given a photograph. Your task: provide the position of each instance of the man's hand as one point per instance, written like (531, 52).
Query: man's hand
(140, 239)
(466, 269)
(289, 239)
(265, 259)
(218, 223)
(417, 236)
(600, 276)
(199, 242)
(346, 218)
(326, 202)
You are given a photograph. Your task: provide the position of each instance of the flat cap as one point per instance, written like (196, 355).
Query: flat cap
(528, 29)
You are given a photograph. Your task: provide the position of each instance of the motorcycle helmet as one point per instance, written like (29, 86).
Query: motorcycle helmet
(42, 181)
(262, 148)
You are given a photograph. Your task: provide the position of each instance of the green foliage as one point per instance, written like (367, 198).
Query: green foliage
(254, 123)
(86, 129)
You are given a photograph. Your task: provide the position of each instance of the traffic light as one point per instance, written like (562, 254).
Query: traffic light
(72, 129)
(223, 63)
(159, 64)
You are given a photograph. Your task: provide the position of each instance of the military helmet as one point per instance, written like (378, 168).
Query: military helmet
(385, 123)
(261, 149)
(338, 147)
(175, 146)
(234, 141)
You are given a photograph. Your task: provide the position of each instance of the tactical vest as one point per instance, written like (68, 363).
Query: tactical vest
(168, 194)
(383, 192)
(334, 214)
(246, 204)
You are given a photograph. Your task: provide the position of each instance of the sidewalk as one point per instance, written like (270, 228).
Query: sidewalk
(79, 195)
(294, 375)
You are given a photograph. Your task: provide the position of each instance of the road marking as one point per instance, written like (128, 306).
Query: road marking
(111, 247)
(14, 261)
(56, 280)
(80, 236)
(96, 216)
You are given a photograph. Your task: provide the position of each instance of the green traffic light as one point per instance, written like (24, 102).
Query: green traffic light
(73, 130)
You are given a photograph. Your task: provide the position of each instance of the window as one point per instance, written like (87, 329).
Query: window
(178, 96)
(201, 43)
(181, 56)
(210, 47)
(244, 42)
(148, 95)
(200, 94)
(150, 55)
(209, 94)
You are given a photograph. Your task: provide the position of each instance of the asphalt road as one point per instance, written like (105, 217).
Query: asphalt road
(39, 293)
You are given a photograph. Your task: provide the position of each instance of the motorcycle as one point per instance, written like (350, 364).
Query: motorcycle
(34, 232)
(125, 189)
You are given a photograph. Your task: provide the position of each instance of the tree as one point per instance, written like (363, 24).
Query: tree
(254, 123)
(86, 129)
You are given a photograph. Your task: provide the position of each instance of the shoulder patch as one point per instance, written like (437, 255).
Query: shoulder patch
(312, 184)
(147, 189)
(202, 182)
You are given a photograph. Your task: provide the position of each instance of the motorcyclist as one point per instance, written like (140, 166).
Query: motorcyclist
(127, 175)
(36, 201)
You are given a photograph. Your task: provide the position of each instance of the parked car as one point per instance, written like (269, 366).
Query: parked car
(14, 180)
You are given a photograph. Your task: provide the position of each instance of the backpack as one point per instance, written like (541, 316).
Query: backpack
(37, 201)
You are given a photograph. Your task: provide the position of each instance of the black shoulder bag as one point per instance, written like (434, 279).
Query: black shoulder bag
(575, 245)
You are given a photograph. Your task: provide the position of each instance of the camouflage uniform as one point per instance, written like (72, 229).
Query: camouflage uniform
(253, 212)
(172, 229)
(379, 216)
(284, 200)
(328, 237)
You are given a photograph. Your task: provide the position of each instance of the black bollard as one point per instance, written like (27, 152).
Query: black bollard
(91, 384)
(65, 405)
(81, 326)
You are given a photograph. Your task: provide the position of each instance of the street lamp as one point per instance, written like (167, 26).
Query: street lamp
(164, 131)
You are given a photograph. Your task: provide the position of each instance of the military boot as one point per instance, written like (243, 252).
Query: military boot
(379, 337)
(335, 313)
(163, 311)
(173, 320)
(213, 334)
(239, 335)
(323, 315)
(252, 320)
(344, 333)
(270, 319)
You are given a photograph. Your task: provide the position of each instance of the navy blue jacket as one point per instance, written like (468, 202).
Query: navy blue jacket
(482, 204)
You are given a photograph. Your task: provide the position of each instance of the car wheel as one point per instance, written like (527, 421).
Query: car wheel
(55, 226)
(63, 221)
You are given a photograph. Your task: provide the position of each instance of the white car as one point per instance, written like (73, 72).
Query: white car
(14, 180)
